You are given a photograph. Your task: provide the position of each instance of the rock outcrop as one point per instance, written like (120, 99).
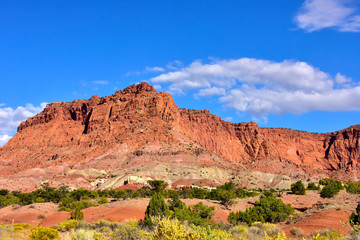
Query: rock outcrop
(139, 127)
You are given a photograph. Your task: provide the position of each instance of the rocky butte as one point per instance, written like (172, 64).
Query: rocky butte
(139, 133)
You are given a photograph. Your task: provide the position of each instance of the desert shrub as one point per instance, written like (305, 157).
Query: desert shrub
(199, 193)
(352, 187)
(39, 200)
(82, 234)
(4, 192)
(354, 218)
(7, 200)
(279, 236)
(172, 229)
(206, 232)
(69, 204)
(268, 193)
(298, 188)
(44, 233)
(203, 211)
(101, 224)
(80, 194)
(103, 200)
(129, 230)
(258, 230)
(175, 202)
(312, 186)
(327, 234)
(297, 233)
(41, 216)
(268, 209)
(143, 192)
(21, 226)
(156, 208)
(329, 191)
(330, 181)
(157, 185)
(77, 214)
(67, 225)
(198, 214)
(226, 197)
(225, 193)
(331, 187)
(120, 194)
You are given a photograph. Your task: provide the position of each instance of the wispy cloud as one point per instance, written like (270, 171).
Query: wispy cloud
(154, 69)
(100, 82)
(174, 65)
(11, 118)
(147, 70)
(342, 15)
(262, 87)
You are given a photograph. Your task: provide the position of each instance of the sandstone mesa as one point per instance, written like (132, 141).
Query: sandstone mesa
(139, 133)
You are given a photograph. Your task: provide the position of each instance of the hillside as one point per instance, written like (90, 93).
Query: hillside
(138, 133)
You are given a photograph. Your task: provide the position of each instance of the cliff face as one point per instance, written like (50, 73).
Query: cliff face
(102, 134)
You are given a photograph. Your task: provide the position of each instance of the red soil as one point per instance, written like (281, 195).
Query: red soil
(327, 219)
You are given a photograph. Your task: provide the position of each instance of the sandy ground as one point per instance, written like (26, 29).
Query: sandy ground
(45, 214)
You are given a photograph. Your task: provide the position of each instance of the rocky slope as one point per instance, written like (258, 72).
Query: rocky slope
(100, 142)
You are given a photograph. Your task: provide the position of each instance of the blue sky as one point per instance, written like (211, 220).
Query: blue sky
(292, 64)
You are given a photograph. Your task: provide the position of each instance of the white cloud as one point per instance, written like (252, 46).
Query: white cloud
(207, 92)
(262, 87)
(154, 69)
(174, 65)
(4, 139)
(100, 82)
(11, 118)
(339, 78)
(318, 14)
(157, 87)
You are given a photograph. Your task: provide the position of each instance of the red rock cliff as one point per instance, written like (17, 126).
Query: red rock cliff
(72, 133)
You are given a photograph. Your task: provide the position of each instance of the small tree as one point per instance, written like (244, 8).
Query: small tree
(298, 188)
(226, 197)
(157, 185)
(156, 207)
(175, 202)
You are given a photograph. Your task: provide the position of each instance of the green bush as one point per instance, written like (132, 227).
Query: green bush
(129, 230)
(298, 188)
(330, 181)
(268, 209)
(77, 214)
(82, 234)
(352, 187)
(329, 191)
(203, 211)
(157, 185)
(327, 234)
(331, 187)
(312, 186)
(355, 217)
(226, 197)
(156, 208)
(175, 202)
(44, 233)
(67, 225)
(103, 200)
